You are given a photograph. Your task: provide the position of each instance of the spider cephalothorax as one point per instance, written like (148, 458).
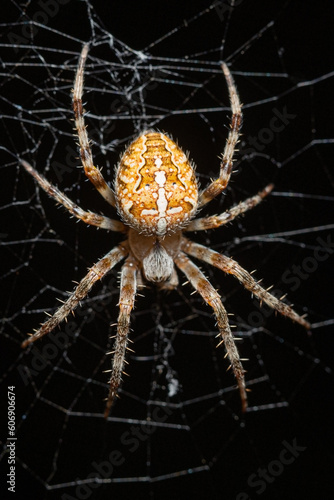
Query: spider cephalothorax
(157, 198)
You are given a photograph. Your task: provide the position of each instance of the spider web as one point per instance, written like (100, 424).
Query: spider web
(177, 429)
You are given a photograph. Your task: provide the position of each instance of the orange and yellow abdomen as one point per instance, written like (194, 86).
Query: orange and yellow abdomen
(156, 188)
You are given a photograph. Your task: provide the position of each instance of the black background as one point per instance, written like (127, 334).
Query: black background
(205, 449)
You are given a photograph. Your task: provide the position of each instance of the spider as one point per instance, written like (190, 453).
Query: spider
(157, 198)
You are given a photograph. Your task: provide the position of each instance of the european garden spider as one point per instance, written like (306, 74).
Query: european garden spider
(157, 198)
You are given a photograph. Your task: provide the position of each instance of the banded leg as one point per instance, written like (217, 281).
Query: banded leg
(126, 302)
(93, 173)
(88, 217)
(211, 297)
(95, 273)
(218, 185)
(230, 266)
(215, 221)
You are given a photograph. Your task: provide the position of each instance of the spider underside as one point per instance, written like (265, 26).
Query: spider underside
(157, 198)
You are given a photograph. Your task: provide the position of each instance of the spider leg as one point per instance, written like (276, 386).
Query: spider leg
(126, 303)
(230, 266)
(93, 173)
(73, 208)
(94, 274)
(218, 185)
(211, 297)
(215, 221)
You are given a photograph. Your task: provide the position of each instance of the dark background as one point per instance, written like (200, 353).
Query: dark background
(202, 446)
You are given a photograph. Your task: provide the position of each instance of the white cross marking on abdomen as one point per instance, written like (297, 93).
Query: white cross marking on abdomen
(162, 202)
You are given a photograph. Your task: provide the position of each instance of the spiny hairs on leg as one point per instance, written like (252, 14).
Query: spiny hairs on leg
(230, 266)
(126, 302)
(87, 217)
(214, 221)
(93, 173)
(211, 297)
(226, 165)
(95, 273)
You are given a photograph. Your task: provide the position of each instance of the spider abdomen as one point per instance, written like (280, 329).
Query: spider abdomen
(156, 188)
